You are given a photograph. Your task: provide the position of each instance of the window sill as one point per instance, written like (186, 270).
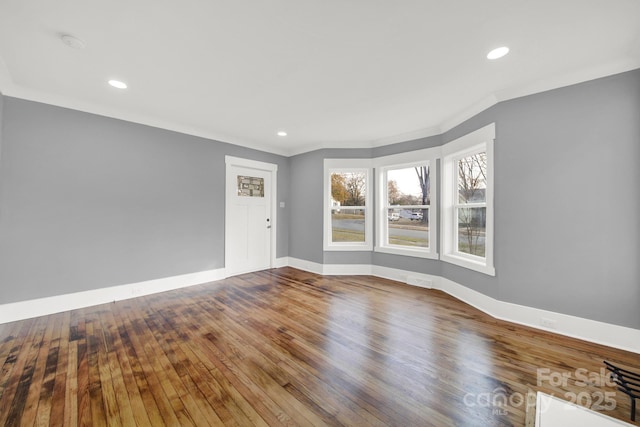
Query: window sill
(406, 252)
(469, 263)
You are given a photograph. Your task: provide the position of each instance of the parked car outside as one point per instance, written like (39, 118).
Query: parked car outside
(413, 216)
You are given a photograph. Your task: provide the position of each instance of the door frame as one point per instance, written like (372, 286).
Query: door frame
(261, 166)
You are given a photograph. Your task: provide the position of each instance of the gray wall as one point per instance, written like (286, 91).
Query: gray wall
(1, 180)
(89, 202)
(576, 150)
(567, 202)
(305, 228)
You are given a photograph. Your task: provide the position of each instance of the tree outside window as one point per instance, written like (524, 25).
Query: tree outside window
(348, 193)
(471, 207)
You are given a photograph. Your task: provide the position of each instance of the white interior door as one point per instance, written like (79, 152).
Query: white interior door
(250, 222)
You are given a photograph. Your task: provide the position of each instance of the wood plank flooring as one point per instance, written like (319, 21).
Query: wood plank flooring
(287, 347)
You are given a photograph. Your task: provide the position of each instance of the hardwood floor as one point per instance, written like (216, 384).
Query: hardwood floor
(287, 347)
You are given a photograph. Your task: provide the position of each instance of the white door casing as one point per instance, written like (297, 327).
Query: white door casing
(250, 215)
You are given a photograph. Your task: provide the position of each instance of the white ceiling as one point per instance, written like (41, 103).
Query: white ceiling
(332, 73)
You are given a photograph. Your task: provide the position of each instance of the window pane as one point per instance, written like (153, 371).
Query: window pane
(472, 224)
(347, 225)
(250, 186)
(408, 231)
(472, 178)
(409, 186)
(348, 188)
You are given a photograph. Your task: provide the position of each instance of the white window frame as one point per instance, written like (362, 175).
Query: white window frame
(481, 140)
(398, 161)
(348, 165)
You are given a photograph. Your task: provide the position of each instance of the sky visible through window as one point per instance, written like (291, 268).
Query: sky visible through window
(407, 180)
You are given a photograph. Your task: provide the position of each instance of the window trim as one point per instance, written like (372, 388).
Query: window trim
(471, 143)
(396, 161)
(347, 165)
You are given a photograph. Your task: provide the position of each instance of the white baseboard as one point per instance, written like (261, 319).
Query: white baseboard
(422, 280)
(347, 270)
(594, 331)
(281, 262)
(331, 269)
(44, 306)
(577, 327)
(305, 265)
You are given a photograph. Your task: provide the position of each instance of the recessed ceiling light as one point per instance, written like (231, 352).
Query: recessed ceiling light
(498, 52)
(282, 133)
(118, 84)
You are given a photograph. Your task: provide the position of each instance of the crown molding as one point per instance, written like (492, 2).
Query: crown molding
(9, 88)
